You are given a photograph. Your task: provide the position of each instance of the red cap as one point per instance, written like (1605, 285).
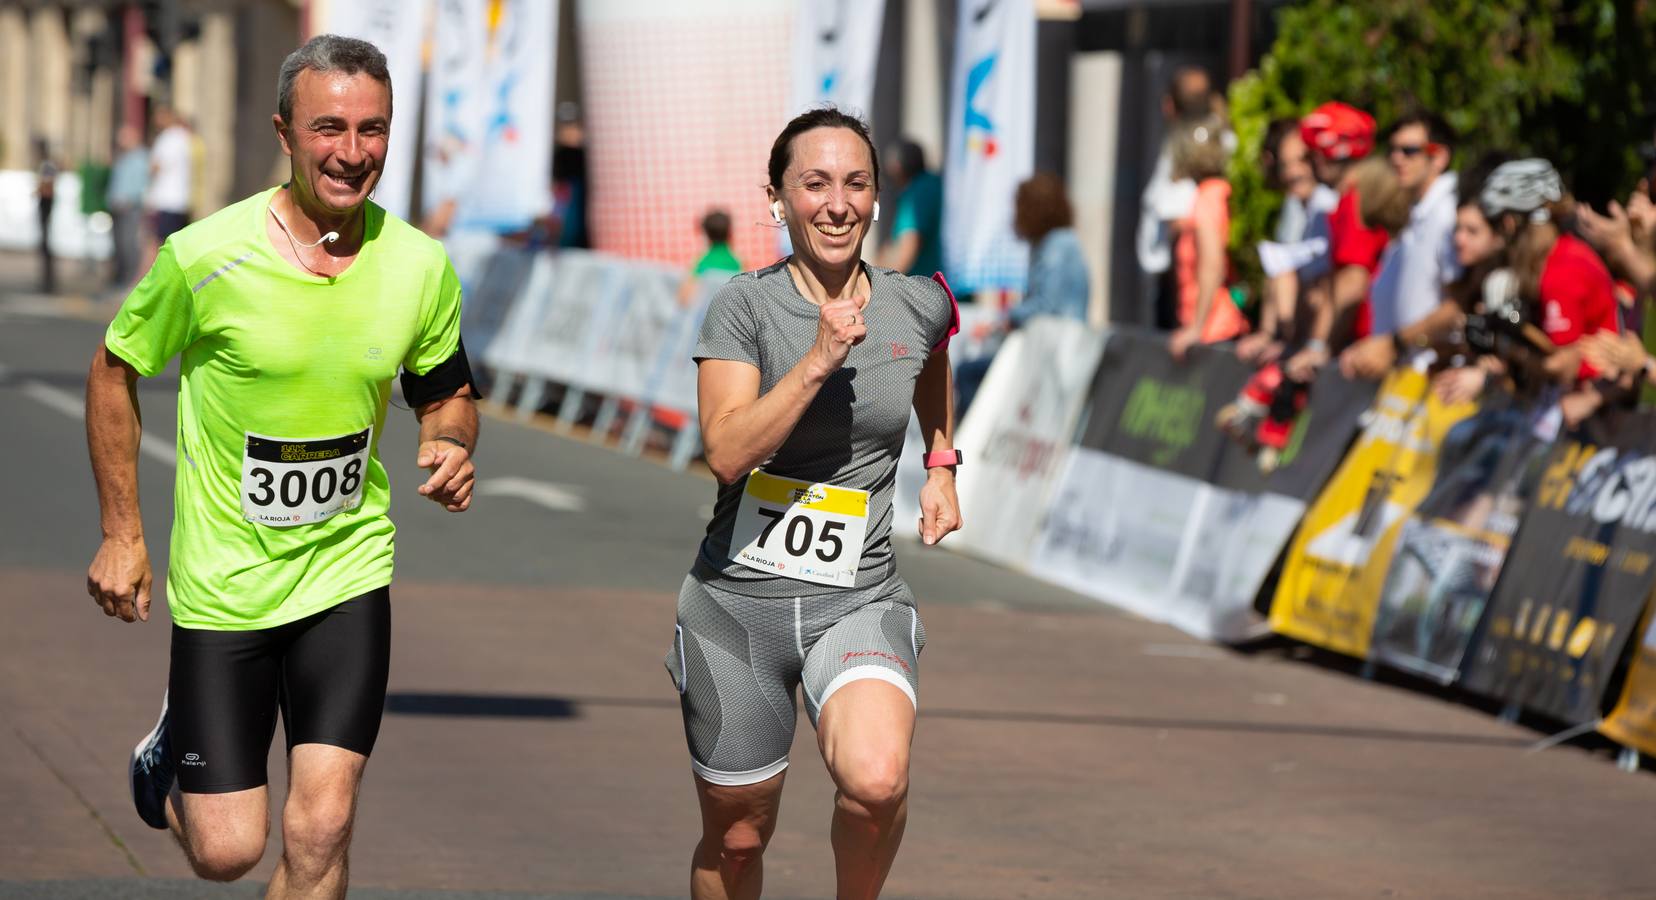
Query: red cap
(1337, 131)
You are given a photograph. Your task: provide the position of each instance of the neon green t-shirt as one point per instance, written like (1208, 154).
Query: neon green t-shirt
(280, 501)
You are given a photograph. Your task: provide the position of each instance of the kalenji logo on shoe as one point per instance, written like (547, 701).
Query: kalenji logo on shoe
(899, 350)
(193, 759)
(853, 654)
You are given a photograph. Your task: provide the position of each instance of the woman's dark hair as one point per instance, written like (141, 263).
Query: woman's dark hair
(1270, 152)
(822, 117)
(1042, 207)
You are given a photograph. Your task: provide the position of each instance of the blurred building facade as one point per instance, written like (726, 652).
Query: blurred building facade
(75, 71)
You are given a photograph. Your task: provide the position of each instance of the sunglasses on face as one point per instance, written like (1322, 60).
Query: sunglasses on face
(1413, 150)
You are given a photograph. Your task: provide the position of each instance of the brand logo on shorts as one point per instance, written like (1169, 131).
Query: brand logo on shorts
(853, 654)
(193, 759)
(899, 350)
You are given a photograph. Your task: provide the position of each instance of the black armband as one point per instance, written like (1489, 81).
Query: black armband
(441, 383)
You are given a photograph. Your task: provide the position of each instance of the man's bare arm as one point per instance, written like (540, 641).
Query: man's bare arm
(120, 576)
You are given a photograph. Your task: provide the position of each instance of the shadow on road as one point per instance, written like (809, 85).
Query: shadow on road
(510, 706)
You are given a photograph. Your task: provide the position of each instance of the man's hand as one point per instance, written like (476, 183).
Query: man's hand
(1613, 353)
(452, 474)
(1181, 341)
(1369, 359)
(1259, 349)
(939, 506)
(1303, 365)
(1462, 385)
(119, 578)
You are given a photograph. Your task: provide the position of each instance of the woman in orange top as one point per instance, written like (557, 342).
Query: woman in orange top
(1206, 313)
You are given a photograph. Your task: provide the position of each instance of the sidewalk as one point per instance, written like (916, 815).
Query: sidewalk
(83, 290)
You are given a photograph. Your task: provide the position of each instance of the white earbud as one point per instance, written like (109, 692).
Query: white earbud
(328, 238)
(876, 210)
(776, 211)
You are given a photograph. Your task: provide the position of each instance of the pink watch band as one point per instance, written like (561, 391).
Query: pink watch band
(938, 458)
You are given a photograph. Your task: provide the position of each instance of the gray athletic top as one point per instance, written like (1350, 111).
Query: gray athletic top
(853, 431)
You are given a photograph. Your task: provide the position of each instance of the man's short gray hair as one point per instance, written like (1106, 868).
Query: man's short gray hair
(329, 53)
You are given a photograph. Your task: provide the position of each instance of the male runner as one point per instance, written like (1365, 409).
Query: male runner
(291, 311)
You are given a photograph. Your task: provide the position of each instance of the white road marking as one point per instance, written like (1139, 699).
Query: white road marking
(552, 496)
(75, 408)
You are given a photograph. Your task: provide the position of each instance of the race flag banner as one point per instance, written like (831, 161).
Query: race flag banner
(991, 144)
(1450, 553)
(455, 108)
(1159, 513)
(1577, 579)
(1017, 432)
(1633, 722)
(836, 48)
(513, 186)
(397, 28)
(1330, 584)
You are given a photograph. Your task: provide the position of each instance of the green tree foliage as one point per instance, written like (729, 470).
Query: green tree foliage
(1569, 80)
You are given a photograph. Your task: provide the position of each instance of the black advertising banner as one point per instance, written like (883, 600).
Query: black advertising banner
(1149, 409)
(1450, 553)
(1575, 583)
(1161, 514)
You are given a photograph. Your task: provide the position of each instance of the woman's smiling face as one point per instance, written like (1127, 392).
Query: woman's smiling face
(828, 195)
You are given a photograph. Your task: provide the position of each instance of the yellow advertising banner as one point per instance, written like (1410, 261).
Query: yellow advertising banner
(1337, 563)
(1633, 722)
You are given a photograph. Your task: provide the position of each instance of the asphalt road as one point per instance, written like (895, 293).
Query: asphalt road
(532, 744)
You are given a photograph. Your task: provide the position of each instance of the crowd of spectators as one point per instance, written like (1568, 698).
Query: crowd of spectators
(1392, 250)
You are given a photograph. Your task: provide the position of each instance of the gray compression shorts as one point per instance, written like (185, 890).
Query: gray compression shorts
(736, 659)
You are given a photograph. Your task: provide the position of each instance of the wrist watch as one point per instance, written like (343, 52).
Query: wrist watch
(942, 458)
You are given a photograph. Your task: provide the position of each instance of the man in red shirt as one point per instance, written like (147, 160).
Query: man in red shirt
(1339, 135)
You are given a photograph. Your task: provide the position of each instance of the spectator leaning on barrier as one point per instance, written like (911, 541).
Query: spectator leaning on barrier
(1626, 237)
(1299, 253)
(1407, 299)
(1058, 282)
(916, 245)
(1479, 250)
(1166, 199)
(1206, 313)
(718, 257)
(1339, 135)
(1557, 282)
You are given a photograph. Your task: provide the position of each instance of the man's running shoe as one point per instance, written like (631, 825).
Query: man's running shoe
(152, 773)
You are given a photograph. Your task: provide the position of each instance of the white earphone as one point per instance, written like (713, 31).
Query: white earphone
(776, 211)
(328, 238)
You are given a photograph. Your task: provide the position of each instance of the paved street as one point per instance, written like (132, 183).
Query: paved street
(532, 744)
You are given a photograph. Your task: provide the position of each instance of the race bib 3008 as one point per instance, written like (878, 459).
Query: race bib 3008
(302, 481)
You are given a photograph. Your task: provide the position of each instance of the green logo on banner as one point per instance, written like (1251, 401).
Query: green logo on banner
(1166, 414)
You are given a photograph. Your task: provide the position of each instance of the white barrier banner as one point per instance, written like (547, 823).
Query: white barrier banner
(625, 361)
(397, 28)
(991, 144)
(1168, 547)
(500, 281)
(836, 49)
(609, 326)
(1018, 432)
